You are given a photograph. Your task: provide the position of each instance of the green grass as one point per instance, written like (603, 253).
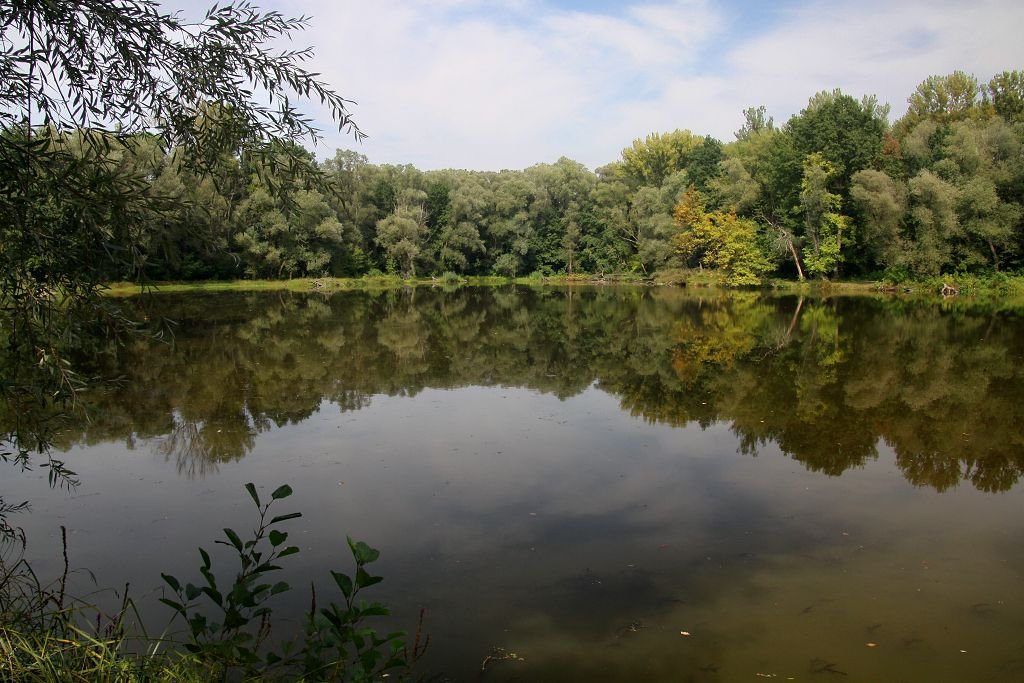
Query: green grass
(1006, 288)
(367, 282)
(47, 658)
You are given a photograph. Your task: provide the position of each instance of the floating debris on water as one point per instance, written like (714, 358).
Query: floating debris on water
(499, 654)
(631, 627)
(821, 666)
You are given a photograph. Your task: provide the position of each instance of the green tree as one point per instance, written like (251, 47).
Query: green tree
(561, 192)
(511, 234)
(966, 194)
(402, 236)
(823, 224)
(73, 216)
(882, 203)
(946, 98)
(934, 224)
(458, 238)
(1006, 92)
(651, 160)
(943, 100)
(755, 120)
(846, 132)
(760, 177)
(298, 242)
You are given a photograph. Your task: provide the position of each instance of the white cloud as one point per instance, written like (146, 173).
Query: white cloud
(483, 88)
(880, 48)
(488, 85)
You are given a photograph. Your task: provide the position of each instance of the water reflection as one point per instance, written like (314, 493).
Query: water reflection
(571, 474)
(826, 381)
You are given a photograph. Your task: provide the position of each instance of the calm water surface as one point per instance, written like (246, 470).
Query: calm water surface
(811, 489)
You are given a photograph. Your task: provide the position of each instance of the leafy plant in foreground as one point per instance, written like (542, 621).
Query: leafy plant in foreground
(229, 624)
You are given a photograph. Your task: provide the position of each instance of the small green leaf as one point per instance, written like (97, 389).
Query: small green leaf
(197, 623)
(206, 558)
(233, 537)
(232, 619)
(281, 492)
(191, 591)
(344, 583)
(211, 580)
(282, 518)
(375, 609)
(363, 553)
(251, 488)
(369, 659)
(290, 550)
(365, 579)
(173, 604)
(240, 594)
(332, 618)
(279, 587)
(214, 595)
(172, 582)
(277, 537)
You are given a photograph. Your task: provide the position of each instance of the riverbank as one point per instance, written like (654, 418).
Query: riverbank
(999, 286)
(369, 282)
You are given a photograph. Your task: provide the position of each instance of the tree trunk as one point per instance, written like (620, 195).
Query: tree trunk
(796, 258)
(788, 238)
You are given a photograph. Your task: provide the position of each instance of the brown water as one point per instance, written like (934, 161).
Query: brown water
(813, 490)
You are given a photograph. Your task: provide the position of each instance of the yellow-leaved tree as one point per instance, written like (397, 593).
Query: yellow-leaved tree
(720, 240)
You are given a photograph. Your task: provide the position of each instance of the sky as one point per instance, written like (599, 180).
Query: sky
(487, 85)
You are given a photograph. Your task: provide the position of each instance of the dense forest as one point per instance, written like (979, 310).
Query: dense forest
(837, 191)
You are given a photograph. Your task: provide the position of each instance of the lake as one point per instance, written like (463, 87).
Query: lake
(614, 484)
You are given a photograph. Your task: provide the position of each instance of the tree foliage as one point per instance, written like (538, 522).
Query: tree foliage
(720, 240)
(1006, 92)
(824, 225)
(120, 126)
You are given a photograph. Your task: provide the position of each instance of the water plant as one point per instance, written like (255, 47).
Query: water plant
(47, 636)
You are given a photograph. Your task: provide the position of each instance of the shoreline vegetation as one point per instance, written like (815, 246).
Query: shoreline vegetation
(1005, 288)
(215, 633)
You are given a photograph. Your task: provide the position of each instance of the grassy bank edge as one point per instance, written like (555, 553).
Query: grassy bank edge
(1006, 288)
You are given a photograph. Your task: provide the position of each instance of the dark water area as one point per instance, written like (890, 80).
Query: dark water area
(611, 483)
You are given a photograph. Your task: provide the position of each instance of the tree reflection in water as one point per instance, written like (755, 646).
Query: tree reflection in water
(825, 379)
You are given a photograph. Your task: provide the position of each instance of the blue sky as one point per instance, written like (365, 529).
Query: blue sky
(488, 85)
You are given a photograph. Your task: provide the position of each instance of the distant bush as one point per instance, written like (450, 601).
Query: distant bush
(450, 278)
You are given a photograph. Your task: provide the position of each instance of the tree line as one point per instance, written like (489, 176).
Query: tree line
(837, 191)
